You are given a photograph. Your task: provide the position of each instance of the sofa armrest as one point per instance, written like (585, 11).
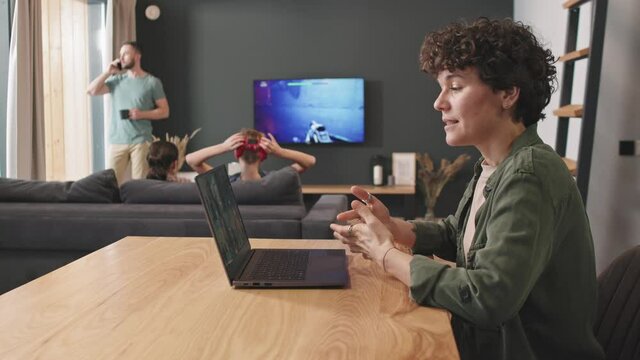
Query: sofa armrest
(315, 225)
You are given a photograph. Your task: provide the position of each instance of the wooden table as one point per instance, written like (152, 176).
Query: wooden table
(168, 298)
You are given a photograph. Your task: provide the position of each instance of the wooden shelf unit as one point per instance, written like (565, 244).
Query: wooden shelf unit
(572, 165)
(575, 55)
(572, 110)
(587, 111)
(570, 4)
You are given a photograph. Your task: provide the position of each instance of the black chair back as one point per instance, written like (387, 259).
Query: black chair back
(617, 324)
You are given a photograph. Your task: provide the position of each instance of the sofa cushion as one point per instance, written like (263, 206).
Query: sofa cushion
(144, 191)
(272, 212)
(100, 187)
(281, 187)
(88, 227)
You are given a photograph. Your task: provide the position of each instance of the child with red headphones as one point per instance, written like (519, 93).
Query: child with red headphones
(251, 148)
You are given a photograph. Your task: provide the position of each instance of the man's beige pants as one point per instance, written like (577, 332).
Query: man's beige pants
(121, 154)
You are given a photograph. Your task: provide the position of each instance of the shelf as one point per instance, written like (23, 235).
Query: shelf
(575, 55)
(571, 165)
(568, 111)
(570, 4)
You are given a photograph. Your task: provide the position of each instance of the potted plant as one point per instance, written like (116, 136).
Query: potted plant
(180, 143)
(431, 180)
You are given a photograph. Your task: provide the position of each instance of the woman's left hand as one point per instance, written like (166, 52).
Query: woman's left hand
(371, 237)
(270, 145)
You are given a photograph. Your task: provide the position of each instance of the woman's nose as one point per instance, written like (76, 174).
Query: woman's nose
(440, 104)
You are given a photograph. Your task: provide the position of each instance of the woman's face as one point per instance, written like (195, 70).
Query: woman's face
(471, 110)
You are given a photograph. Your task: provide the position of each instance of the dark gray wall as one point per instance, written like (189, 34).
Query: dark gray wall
(208, 52)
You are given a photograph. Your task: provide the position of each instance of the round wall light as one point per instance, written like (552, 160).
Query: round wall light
(152, 12)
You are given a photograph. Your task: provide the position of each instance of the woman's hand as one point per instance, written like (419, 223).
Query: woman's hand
(370, 237)
(402, 232)
(270, 145)
(233, 142)
(377, 208)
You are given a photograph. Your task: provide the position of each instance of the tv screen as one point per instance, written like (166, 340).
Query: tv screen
(310, 111)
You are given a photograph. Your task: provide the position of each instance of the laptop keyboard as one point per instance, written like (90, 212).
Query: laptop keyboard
(280, 265)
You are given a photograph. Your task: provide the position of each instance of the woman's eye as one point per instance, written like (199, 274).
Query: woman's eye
(454, 88)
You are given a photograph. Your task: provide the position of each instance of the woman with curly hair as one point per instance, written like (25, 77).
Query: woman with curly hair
(524, 285)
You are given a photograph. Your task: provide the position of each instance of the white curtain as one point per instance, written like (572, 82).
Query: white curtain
(65, 44)
(68, 147)
(25, 115)
(120, 27)
(75, 117)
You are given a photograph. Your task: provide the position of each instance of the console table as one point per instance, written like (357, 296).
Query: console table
(346, 189)
(168, 298)
(406, 191)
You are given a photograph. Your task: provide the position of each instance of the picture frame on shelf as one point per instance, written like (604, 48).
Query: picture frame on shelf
(404, 168)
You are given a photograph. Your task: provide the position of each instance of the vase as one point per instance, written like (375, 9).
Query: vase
(430, 204)
(430, 215)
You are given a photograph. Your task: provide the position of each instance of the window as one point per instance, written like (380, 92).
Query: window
(96, 27)
(73, 41)
(6, 10)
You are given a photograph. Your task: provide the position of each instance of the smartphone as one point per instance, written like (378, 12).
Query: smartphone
(119, 65)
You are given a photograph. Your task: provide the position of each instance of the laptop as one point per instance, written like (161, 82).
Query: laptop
(262, 268)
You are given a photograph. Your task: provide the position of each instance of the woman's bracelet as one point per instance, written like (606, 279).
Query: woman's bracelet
(384, 258)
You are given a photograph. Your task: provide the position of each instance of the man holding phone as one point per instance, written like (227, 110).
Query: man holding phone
(137, 99)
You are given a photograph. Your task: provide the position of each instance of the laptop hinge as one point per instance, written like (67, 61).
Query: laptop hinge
(246, 261)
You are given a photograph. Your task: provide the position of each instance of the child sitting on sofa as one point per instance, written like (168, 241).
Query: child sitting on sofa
(251, 148)
(162, 160)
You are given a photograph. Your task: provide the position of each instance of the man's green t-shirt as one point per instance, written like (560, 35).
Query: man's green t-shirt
(129, 93)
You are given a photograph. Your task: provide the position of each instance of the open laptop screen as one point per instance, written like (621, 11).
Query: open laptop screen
(224, 219)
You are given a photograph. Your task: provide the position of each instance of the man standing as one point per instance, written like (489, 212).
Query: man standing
(137, 98)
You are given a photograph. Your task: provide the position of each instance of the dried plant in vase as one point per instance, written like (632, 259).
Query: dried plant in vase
(180, 143)
(432, 180)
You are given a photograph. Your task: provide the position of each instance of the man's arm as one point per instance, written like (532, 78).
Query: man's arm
(301, 161)
(98, 86)
(197, 159)
(161, 112)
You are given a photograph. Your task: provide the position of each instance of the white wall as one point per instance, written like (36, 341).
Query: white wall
(548, 20)
(614, 187)
(613, 202)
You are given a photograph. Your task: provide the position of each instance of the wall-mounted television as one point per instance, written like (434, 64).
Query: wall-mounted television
(310, 111)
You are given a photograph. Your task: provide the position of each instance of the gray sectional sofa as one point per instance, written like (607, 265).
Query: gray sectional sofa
(45, 225)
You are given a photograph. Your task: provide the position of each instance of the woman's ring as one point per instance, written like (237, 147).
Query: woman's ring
(369, 198)
(350, 230)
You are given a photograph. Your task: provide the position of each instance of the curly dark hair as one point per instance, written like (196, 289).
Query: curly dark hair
(506, 54)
